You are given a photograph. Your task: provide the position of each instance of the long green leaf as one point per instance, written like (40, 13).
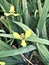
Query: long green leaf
(43, 15)
(6, 35)
(39, 40)
(17, 51)
(25, 11)
(44, 53)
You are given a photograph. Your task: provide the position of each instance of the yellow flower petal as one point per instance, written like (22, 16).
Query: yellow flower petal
(28, 33)
(16, 14)
(23, 43)
(7, 14)
(2, 63)
(16, 35)
(11, 9)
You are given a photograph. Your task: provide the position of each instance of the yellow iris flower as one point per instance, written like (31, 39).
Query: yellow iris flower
(11, 12)
(22, 37)
(2, 63)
